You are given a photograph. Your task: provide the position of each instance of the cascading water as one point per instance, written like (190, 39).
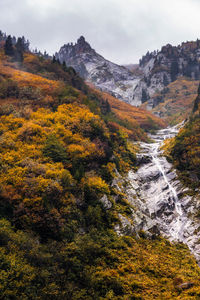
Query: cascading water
(177, 228)
(160, 196)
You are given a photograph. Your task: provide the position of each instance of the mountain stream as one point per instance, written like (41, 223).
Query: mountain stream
(162, 204)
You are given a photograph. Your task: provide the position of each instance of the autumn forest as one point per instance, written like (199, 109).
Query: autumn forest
(63, 146)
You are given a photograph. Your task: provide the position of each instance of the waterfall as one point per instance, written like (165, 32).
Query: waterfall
(177, 228)
(159, 195)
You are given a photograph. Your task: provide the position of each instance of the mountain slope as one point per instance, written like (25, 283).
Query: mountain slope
(105, 75)
(139, 84)
(135, 116)
(162, 67)
(63, 165)
(17, 85)
(175, 101)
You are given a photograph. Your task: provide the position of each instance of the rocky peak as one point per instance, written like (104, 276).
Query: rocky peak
(71, 50)
(165, 66)
(75, 55)
(82, 45)
(105, 75)
(81, 40)
(156, 70)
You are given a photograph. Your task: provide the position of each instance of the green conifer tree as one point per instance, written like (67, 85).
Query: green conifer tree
(8, 47)
(19, 50)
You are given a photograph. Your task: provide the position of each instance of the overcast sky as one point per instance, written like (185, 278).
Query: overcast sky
(120, 30)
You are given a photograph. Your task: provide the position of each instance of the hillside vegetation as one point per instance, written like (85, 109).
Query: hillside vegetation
(62, 145)
(176, 100)
(184, 149)
(134, 116)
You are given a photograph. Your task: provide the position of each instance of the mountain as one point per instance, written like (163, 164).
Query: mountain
(73, 221)
(105, 75)
(134, 84)
(160, 68)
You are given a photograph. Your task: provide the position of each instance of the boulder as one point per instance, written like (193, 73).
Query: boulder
(106, 203)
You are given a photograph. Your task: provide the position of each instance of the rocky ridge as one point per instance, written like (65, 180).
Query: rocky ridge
(160, 68)
(105, 75)
(156, 70)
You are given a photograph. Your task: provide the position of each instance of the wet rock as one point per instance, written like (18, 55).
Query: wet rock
(81, 231)
(146, 186)
(159, 200)
(115, 184)
(143, 159)
(80, 203)
(171, 175)
(154, 231)
(182, 191)
(132, 176)
(165, 187)
(151, 175)
(116, 198)
(168, 213)
(106, 203)
(125, 227)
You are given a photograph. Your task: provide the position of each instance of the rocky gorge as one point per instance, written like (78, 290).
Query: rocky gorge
(160, 204)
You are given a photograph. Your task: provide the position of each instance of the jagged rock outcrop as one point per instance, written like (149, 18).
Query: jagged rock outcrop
(163, 67)
(105, 75)
(155, 71)
(105, 202)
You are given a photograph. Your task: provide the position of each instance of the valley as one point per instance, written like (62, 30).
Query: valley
(99, 196)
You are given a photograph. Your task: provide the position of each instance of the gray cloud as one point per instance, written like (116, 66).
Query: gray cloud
(120, 30)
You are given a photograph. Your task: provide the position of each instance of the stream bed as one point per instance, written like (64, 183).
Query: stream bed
(162, 205)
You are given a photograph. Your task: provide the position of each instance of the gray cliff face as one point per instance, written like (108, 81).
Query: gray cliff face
(160, 204)
(163, 67)
(156, 70)
(105, 75)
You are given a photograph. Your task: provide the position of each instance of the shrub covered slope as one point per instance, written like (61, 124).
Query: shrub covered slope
(184, 149)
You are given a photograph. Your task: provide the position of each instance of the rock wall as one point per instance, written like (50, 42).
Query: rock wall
(156, 70)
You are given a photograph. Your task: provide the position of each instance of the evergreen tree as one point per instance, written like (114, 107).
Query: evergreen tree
(46, 55)
(64, 66)
(1, 35)
(165, 80)
(25, 44)
(14, 41)
(197, 100)
(107, 107)
(144, 96)
(8, 47)
(174, 70)
(58, 61)
(19, 50)
(54, 59)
